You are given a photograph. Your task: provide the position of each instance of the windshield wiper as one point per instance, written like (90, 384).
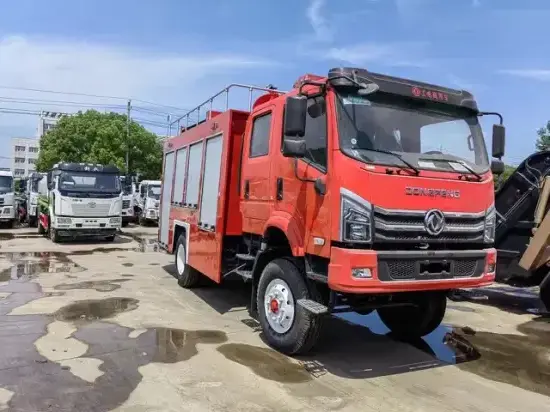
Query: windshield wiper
(469, 169)
(409, 164)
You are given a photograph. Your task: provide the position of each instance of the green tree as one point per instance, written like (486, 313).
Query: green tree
(499, 181)
(543, 141)
(95, 137)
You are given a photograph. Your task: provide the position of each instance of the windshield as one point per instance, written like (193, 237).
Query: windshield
(34, 184)
(89, 182)
(127, 190)
(6, 184)
(154, 192)
(426, 135)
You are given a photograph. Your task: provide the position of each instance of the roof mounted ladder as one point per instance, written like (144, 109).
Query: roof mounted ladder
(195, 113)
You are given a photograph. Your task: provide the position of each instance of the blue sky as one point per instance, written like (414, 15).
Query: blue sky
(178, 52)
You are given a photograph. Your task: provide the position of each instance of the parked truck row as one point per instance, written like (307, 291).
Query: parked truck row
(354, 191)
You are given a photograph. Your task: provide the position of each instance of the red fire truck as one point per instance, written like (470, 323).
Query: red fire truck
(352, 192)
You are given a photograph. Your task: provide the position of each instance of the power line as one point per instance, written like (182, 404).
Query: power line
(98, 96)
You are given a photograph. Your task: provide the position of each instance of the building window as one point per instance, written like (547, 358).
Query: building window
(33, 149)
(19, 160)
(19, 148)
(19, 172)
(31, 161)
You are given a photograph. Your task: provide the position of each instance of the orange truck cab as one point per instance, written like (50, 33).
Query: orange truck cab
(352, 192)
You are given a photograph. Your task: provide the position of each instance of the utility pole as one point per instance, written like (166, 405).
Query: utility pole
(128, 138)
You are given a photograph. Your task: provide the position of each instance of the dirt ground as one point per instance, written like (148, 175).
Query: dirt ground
(104, 326)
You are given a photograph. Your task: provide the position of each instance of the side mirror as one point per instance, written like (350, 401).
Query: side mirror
(497, 167)
(295, 116)
(499, 140)
(49, 180)
(294, 148)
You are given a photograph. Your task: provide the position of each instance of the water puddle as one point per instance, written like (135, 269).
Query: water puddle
(12, 236)
(266, 363)
(128, 264)
(177, 345)
(95, 309)
(522, 361)
(99, 285)
(30, 264)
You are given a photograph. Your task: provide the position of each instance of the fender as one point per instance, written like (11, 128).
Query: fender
(290, 227)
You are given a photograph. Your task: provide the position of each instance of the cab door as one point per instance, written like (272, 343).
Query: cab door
(257, 193)
(296, 193)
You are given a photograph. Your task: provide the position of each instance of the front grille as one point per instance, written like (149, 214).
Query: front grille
(86, 211)
(410, 269)
(125, 204)
(408, 226)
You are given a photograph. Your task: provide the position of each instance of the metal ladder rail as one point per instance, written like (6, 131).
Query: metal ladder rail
(225, 90)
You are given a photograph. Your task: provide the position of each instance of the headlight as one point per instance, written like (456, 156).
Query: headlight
(115, 220)
(490, 225)
(64, 220)
(356, 219)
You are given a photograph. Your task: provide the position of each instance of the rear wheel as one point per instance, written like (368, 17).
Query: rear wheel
(287, 326)
(413, 322)
(187, 276)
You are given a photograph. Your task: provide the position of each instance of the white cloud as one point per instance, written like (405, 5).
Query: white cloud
(533, 74)
(320, 25)
(389, 54)
(181, 80)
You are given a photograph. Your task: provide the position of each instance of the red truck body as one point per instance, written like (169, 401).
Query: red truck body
(236, 201)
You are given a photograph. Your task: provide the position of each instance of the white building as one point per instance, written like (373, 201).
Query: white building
(24, 153)
(47, 121)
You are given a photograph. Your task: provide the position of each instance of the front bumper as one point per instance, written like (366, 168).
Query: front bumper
(64, 223)
(406, 271)
(152, 214)
(7, 213)
(127, 215)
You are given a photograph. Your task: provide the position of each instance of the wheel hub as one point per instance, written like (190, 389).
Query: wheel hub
(279, 306)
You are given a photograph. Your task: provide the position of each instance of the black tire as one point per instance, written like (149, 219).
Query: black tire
(110, 238)
(304, 332)
(186, 275)
(413, 322)
(54, 237)
(544, 292)
(125, 223)
(32, 221)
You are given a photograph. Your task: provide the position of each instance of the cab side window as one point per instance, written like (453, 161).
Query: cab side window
(259, 141)
(316, 132)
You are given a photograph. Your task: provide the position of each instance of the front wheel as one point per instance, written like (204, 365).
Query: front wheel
(54, 237)
(110, 238)
(413, 322)
(287, 327)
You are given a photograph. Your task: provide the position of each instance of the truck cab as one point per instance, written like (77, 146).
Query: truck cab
(34, 181)
(128, 199)
(7, 199)
(83, 200)
(148, 200)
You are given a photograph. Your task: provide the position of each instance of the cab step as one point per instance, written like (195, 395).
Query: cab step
(314, 307)
(246, 257)
(245, 274)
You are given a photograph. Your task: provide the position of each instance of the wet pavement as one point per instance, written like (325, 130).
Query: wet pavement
(98, 327)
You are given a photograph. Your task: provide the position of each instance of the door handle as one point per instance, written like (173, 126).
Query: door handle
(246, 189)
(279, 188)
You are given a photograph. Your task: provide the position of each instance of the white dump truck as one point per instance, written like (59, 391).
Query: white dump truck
(7, 199)
(36, 184)
(147, 201)
(128, 199)
(82, 200)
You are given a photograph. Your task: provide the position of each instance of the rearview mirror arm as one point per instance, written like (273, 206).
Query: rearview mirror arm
(492, 114)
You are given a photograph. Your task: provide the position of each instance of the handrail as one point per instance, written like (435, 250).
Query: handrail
(225, 90)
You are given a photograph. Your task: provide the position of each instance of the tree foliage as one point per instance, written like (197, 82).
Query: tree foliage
(95, 137)
(499, 180)
(543, 141)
